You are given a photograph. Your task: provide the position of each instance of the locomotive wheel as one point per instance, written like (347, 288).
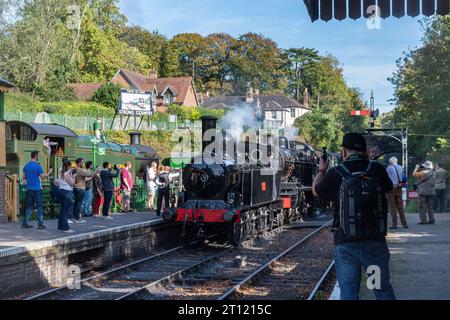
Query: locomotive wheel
(235, 234)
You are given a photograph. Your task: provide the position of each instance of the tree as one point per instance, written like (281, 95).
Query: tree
(422, 88)
(257, 61)
(108, 95)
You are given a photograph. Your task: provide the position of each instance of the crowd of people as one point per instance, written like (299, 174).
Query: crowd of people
(83, 190)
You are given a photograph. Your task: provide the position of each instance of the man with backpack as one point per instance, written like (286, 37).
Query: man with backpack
(357, 188)
(163, 182)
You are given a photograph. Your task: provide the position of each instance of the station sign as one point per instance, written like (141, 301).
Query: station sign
(135, 103)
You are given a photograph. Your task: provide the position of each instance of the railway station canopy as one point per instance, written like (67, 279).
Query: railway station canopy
(342, 9)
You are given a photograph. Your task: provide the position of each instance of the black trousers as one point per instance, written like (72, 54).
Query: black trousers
(440, 201)
(107, 202)
(162, 193)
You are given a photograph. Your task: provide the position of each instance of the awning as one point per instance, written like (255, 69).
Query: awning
(355, 9)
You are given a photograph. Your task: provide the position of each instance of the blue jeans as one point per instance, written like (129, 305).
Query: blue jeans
(66, 204)
(351, 257)
(87, 202)
(79, 197)
(34, 197)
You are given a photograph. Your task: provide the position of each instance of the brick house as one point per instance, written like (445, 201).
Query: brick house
(165, 91)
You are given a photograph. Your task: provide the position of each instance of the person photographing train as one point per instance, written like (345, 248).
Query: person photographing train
(357, 187)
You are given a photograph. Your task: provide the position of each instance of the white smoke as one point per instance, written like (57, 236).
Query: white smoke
(238, 120)
(291, 133)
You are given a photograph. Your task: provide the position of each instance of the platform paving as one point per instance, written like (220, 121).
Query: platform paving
(420, 260)
(14, 240)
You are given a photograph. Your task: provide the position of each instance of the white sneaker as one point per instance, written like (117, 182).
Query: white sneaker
(66, 231)
(70, 221)
(79, 221)
(97, 216)
(109, 218)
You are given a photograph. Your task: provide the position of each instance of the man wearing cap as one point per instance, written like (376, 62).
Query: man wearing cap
(425, 188)
(351, 256)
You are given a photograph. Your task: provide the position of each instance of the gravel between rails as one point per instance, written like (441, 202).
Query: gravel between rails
(212, 280)
(294, 276)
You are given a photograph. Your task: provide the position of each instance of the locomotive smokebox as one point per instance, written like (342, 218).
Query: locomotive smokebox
(135, 138)
(208, 123)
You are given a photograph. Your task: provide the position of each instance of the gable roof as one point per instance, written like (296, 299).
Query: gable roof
(84, 91)
(178, 85)
(267, 103)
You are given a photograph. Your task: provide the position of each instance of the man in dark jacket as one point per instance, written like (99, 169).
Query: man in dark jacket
(106, 177)
(163, 182)
(350, 256)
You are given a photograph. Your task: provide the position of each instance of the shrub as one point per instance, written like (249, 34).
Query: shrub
(108, 95)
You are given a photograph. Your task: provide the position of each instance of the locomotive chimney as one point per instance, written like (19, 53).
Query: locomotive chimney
(135, 138)
(208, 123)
(284, 143)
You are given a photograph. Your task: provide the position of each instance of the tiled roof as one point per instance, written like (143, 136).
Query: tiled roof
(178, 85)
(84, 91)
(268, 103)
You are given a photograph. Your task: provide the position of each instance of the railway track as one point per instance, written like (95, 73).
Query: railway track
(224, 277)
(210, 271)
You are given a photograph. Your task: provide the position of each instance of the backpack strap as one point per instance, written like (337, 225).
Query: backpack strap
(343, 171)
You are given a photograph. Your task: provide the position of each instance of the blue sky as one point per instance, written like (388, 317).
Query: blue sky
(368, 56)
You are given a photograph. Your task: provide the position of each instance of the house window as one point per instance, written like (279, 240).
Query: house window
(274, 114)
(168, 98)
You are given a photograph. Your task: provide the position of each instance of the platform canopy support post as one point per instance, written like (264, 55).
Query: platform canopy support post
(4, 87)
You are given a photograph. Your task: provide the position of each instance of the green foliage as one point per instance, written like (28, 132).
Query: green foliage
(22, 102)
(108, 95)
(422, 89)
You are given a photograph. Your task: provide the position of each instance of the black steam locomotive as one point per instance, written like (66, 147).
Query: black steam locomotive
(245, 197)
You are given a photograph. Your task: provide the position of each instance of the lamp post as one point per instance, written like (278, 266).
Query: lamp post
(4, 86)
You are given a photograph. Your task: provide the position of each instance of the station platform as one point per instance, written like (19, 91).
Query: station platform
(32, 259)
(14, 240)
(420, 260)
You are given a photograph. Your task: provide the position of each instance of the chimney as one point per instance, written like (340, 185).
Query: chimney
(135, 138)
(153, 74)
(306, 98)
(250, 97)
(208, 123)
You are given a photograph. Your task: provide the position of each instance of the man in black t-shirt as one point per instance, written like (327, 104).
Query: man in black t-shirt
(350, 256)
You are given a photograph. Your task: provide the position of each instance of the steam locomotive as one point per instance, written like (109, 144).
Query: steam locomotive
(244, 198)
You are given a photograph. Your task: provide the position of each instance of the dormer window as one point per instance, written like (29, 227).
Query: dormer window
(168, 98)
(169, 95)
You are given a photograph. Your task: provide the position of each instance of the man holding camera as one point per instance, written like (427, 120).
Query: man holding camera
(107, 177)
(425, 188)
(357, 188)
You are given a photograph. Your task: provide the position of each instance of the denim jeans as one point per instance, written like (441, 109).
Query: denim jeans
(79, 197)
(34, 197)
(66, 204)
(87, 202)
(351, 257)
(107, 203)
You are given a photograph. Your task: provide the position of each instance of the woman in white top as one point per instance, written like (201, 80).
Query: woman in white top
(151, 185)
(66, 183)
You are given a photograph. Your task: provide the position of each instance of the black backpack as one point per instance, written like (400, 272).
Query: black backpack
(362, 205)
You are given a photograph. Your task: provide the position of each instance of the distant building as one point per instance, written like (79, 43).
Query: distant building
(278, 111)
(165, 91)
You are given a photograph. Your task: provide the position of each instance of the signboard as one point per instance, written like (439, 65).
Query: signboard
(135, 103)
